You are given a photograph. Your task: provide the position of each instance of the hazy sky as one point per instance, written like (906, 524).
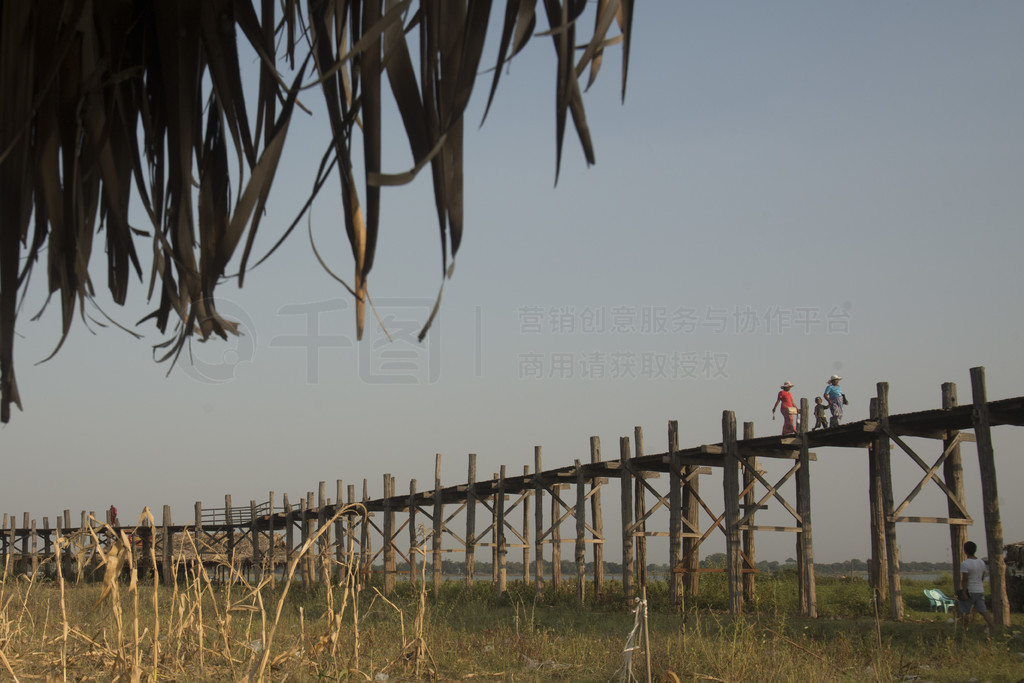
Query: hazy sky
(789, 190)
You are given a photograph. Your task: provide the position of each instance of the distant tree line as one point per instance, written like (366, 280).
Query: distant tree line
(483, 570)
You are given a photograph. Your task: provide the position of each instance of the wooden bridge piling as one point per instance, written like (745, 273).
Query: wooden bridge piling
(437, 519)
(748, 506)
(580, 555)
(597, 518)
(953, 473)
(990, 498)
(885, 470)
(675, 509)
(808, 598)
(538, 497)
(626, 504)
(499, 534)
(730, 485)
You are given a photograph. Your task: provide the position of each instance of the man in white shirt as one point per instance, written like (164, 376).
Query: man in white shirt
(972, 575)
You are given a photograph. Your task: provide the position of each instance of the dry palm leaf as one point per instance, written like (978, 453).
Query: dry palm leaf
(106, 101)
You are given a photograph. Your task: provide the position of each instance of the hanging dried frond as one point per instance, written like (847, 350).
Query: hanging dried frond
(105, 101)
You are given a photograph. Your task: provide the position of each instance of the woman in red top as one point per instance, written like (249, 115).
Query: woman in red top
(788, 409)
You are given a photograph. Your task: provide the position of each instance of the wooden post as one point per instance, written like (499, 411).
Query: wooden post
(35, 549)
(885, 471)
(271, 545)
(581, 535)
(749, 502)
(809, 599)
(878, 569)
(12, 534)
(168, 541)
(350, 539)
(254, 539)
(47, 549)
(640, 505)
(556, 540)
(597, 518)
(199, 533)
(526, 529)
(306, 568)
(365, 541)
(493, 500)
(389, 532)
(340, 558)
(321, 560)
(626, 484)
(289, 530)
(731, 490)
(438, 519)
(26, 558)
(675, 511)
(953, 473)
(499, 533)
(990, 499)
(229, 543)
(538, 494)
(471, 520)
(414, 545)
(691, 513)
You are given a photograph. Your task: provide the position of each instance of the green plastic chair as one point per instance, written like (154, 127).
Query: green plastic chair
(938, 600)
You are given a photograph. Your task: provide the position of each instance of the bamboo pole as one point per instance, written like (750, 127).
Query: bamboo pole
(990, 499)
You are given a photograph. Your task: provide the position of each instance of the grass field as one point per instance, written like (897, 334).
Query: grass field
(198, 630)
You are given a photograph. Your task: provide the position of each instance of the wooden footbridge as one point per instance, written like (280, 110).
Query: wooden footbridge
(365, 535)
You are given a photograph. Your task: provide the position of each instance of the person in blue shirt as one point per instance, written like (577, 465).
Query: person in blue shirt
(836, 400)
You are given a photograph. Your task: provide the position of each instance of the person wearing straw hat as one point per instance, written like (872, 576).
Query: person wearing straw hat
(836, 400)
(788, 409)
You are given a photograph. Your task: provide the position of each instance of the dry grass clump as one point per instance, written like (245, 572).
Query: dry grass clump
(195, 628)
